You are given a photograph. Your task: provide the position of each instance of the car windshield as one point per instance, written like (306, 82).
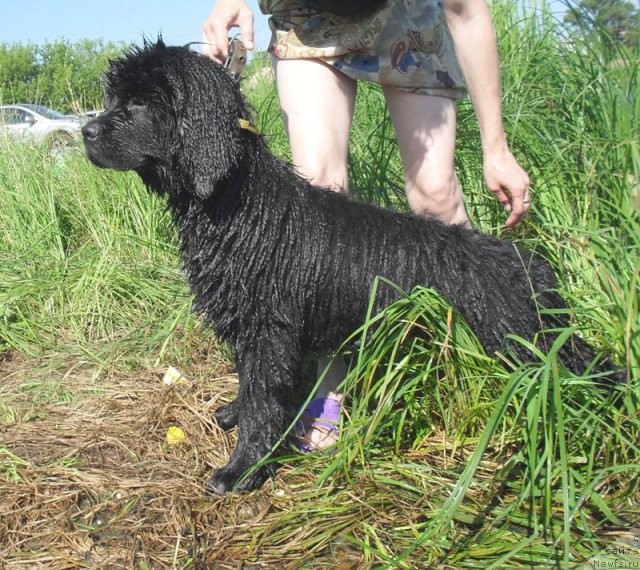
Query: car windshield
(45, 112)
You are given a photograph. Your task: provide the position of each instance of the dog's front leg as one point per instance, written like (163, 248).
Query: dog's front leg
(268, 398)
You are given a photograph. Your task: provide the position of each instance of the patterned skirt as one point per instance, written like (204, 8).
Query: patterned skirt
(405, 43)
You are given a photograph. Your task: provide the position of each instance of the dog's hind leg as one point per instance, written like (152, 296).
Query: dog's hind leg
(268, 366)
(227, 415)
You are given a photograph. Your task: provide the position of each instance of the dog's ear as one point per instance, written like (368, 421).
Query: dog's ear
(210, 140)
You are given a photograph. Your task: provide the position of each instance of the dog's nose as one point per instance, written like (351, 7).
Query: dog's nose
(91, 130)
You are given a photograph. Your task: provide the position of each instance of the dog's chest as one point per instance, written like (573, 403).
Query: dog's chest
(217, 272)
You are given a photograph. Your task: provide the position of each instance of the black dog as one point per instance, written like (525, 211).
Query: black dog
(281, 268)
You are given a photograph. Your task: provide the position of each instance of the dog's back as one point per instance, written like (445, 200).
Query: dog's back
(336, 247)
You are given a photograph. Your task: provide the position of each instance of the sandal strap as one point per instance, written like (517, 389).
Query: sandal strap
(322, 413)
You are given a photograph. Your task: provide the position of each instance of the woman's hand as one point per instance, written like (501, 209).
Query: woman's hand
(227, 14)
(509, 182)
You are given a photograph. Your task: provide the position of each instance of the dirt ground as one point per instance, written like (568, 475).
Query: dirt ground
(88, 479)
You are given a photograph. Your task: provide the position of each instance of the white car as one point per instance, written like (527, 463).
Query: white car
(39, 123)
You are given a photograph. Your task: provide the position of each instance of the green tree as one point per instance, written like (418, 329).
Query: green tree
(70, 74)
(63, 75)
(18, 71)
(619, 19)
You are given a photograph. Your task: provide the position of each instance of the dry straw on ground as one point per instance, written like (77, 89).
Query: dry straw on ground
(89, 480)
(93, 483)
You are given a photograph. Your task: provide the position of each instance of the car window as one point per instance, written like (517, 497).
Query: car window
(49, 113)
(46, 112)
(12, 116)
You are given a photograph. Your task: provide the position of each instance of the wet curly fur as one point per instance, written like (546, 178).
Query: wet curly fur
(281, 268)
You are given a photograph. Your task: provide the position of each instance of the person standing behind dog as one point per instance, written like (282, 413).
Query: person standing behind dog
(426, 55)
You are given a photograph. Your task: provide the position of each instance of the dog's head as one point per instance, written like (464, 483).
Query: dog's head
(172, 116)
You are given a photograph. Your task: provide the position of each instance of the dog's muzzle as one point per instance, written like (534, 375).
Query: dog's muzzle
(91, 130)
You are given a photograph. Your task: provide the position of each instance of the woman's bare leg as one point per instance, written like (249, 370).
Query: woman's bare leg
(317, 105)
(425, 126)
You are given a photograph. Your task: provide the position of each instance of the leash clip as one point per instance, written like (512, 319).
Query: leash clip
(236, 58)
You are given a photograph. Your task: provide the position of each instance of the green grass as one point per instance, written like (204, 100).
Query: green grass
(89, 259)
(448, 459)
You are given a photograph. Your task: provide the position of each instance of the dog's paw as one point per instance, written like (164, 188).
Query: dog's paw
(229, 479)
(227, 416)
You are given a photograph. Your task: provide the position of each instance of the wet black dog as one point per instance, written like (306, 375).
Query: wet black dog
(283, 269)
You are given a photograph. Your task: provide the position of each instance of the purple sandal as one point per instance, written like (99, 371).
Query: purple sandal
(322, 414)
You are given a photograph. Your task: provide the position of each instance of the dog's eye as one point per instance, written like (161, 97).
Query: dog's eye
(133, 108)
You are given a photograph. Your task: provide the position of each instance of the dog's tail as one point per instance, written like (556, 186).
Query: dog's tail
(581, 359)
(555, 324)
(575, 353)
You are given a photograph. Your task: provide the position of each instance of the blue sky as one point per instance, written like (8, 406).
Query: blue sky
(180, 22)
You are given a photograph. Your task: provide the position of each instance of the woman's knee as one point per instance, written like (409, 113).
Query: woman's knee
(439, 198)
(325, 171)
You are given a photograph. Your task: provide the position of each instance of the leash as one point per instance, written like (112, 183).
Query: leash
(234, 64)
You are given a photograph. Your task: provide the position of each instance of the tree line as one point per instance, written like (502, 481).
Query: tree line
(616, 22)
(63, 75)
